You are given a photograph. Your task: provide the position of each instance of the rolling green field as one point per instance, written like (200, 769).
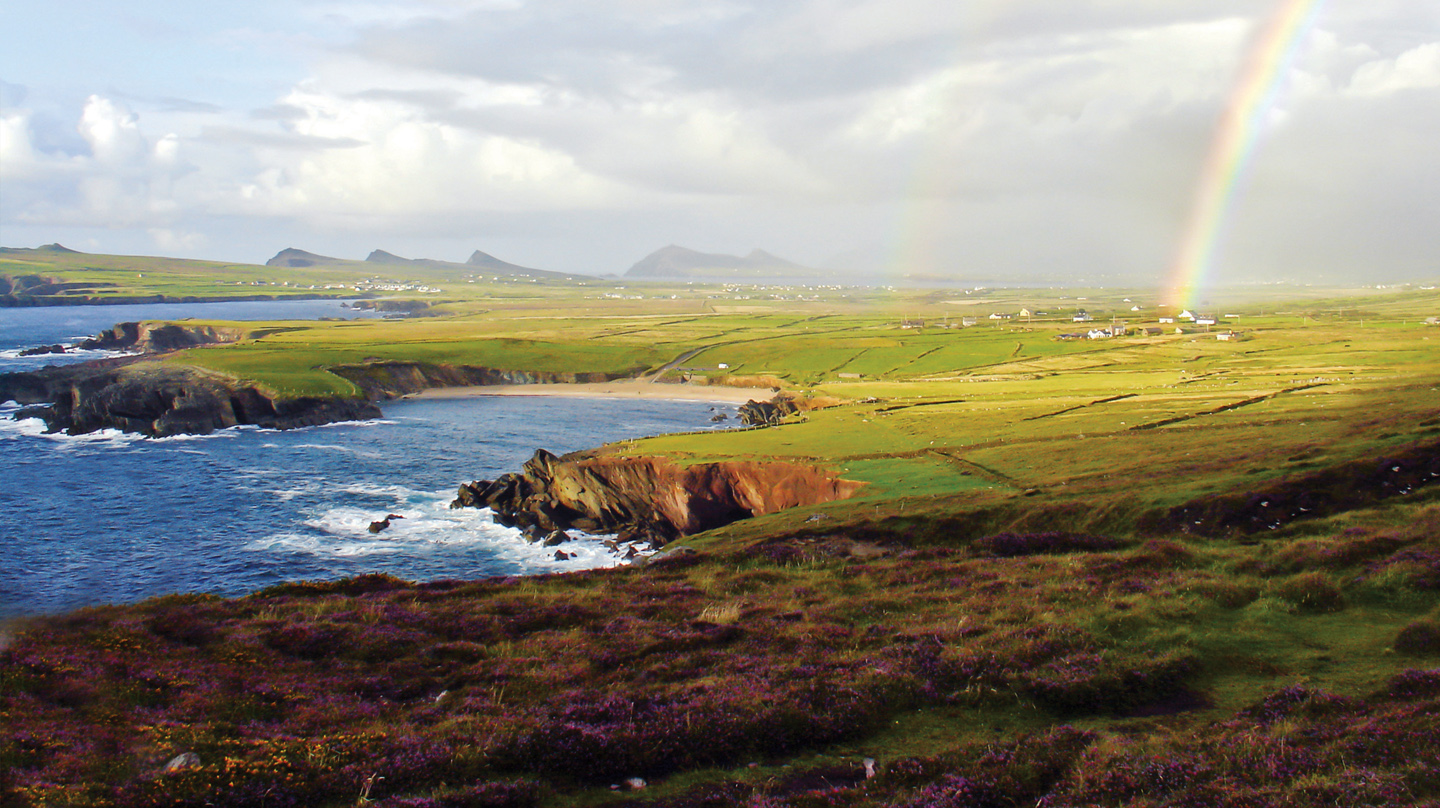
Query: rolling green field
(1035, 599)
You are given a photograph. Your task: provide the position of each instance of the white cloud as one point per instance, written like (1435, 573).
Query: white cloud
(399, 162)
(18, 159)
(802, 127)
(1415, 69)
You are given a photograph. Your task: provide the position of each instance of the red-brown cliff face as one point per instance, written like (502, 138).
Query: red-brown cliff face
(648, 495)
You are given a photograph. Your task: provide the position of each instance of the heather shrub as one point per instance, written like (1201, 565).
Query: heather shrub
(1420, 638)
(1311, 592)
(1011, 545)
(1089, 683)
(1330, 554)
(489, 794)
(1414, 684)
(998, 775)
(1228, 594)
(1390, 585)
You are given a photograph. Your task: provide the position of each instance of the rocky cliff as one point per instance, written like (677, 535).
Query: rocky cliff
(381, 380)
(161, 400)
(649, 497)
(150, 337)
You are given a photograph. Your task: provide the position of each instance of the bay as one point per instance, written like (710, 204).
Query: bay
(114, 518)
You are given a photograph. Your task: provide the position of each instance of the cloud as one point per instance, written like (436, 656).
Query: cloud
(1415, 69)
(1025, 137)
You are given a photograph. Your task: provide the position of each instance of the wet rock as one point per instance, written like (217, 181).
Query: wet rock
(556, 537)
(383, 524)
(44, 349)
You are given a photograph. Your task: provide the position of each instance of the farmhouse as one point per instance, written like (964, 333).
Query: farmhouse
(966, 322)
(1151, 331)
(1082, 316)
(1206, 319)
(1167, 320)
(1231, 336)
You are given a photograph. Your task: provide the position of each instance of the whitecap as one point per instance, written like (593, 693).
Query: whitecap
(430, 526)
(397, 492)
(330, 447)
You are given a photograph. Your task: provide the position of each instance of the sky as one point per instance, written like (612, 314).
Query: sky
(1026, 140)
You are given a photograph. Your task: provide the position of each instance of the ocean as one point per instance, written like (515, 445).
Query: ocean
(114, 518)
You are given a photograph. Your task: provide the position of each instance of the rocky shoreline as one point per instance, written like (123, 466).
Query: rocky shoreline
(646, 498)
(162, 400)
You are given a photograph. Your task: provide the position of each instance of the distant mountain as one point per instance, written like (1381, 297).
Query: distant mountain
(382, 257)
(291, 257)
(45, 248)
(491, 264)
(680, 262)
(480, 261)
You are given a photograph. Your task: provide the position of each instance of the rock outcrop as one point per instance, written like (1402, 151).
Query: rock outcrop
(161, 400)
(647, 497)
(157, 337)
(772, 412)
(382, 380)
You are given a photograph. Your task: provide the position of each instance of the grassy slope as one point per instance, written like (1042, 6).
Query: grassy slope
(789, 645)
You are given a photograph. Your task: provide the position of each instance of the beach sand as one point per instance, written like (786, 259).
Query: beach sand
(616, 389)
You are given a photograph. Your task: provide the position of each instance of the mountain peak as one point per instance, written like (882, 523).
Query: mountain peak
(673, 261)
(382, 257)
(291, 257)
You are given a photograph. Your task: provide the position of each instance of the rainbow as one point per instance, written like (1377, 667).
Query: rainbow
(1235, 143)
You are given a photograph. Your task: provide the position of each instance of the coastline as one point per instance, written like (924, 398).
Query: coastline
(615, 389)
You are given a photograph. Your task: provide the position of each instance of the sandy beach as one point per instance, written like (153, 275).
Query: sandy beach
(616, 389)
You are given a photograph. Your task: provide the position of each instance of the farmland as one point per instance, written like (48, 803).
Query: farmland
(1141, 570)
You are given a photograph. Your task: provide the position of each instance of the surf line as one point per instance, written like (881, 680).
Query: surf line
(1233, 148)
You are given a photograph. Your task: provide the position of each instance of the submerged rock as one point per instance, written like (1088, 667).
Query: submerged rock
(376, 527)
(45, 349)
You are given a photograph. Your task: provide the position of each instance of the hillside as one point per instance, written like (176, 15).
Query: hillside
(674, 262)
(1149, 569)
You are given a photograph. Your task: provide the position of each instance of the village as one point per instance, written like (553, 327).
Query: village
(1185, 322)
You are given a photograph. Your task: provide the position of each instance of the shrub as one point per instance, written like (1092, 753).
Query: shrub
(1420, 638)
(1229, 594)
(1011, 545)
(1311, 592)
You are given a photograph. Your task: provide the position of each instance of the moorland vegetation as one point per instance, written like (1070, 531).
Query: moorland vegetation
(1154, 569)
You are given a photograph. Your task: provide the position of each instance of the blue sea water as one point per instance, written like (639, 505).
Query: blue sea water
(109, 518)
